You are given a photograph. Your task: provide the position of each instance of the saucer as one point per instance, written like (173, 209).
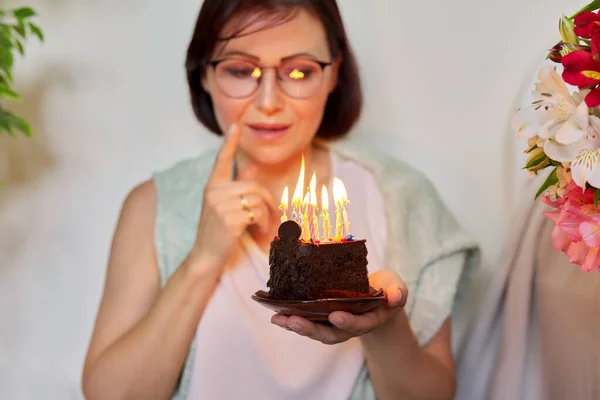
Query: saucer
(318, 310)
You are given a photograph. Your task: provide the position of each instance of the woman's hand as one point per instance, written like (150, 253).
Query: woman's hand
(229, 207)
(346, 325)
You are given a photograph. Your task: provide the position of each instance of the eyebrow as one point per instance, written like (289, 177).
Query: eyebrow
(254, 57)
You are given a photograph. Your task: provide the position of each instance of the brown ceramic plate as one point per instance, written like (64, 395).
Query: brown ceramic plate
(319, 309)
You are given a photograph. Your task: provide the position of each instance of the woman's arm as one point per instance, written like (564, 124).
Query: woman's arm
(400, 369)
(142, 334)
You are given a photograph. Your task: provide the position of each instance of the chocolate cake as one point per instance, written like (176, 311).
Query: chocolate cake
(301, 270)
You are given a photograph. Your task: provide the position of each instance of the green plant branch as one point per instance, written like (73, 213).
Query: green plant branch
(15, 29)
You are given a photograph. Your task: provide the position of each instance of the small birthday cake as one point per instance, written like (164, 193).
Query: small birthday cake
(307, 261)
(302, 270)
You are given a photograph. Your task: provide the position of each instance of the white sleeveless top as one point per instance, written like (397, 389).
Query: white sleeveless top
(241, 355)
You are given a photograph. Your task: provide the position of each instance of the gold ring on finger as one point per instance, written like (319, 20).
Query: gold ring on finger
(245, 204)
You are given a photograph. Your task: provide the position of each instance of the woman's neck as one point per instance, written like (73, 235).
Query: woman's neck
(275, 178)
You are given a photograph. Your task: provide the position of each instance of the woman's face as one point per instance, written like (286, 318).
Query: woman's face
(281, 117)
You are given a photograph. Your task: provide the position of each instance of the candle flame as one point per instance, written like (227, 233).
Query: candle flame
(285, 197)
(313, 190)
(299, 192)
(324, 199)
(340, 196)
(306, 200)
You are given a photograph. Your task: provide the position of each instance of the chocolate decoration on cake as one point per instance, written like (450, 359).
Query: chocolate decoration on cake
(290, 229)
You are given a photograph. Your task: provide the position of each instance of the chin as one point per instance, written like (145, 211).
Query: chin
(271, 157)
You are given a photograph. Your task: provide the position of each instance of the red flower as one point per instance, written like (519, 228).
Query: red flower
(595, 45)
(592, 99)
(579, 69)
(586, 24)
(583, 71)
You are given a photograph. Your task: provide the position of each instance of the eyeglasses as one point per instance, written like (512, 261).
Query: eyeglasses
(298, 78)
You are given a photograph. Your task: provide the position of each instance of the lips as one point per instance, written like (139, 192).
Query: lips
(269, 131)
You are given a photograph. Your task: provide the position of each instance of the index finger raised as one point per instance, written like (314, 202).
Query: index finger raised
(222, 166)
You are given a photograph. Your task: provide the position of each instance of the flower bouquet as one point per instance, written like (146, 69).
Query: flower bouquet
(562, 129)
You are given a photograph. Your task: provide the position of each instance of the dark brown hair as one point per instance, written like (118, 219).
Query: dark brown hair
(345, 101)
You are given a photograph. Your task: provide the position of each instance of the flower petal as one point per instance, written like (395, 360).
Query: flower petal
(594, 177)
(583, 164)
(590, 233)
(569, 132)
(582, 116)
(524, 123)
(593, 98)
(563, 152)
(550, 82)
(560, 240)
(576, 252)
(592, 259)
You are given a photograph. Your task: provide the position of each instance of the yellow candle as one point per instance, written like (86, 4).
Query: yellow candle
(339, 193)
(325, 214)
(298, 195)
(312, 208)
(305, 224)
(284, 204)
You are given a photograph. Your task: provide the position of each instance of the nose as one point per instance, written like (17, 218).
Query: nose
(268, 97)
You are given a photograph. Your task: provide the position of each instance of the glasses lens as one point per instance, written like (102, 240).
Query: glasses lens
(237, 78)
(300, 78)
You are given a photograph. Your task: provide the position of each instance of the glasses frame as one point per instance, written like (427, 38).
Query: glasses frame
(215, 63)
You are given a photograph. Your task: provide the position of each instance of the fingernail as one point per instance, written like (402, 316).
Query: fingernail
(231, 129)
(295, 328)
(399, 294)
(337, 321)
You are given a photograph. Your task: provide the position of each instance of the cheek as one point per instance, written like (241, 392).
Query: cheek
(311, 111)
(227, 111)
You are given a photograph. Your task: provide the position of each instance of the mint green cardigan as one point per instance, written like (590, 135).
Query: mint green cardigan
(421, 233)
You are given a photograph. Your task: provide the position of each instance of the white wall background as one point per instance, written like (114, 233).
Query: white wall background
(107, 97)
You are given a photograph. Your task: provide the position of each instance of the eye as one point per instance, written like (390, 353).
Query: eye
(299, 70)
(240, 70)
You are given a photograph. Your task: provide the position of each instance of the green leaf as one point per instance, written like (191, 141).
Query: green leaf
(552, 179)
(7, 73)
(37, 31)
(21, 29)
(8, 93)
(22, 125)
(6, 57)
(5, 39)
(5, 124)
(593, 6)
(20, 47)
(24, 13)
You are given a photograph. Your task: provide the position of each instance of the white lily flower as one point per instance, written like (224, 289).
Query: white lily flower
(553, 112)
(566, 153)
(586, 168)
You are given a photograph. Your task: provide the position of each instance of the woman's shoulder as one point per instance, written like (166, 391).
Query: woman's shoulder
(190, 168)
(179, 187)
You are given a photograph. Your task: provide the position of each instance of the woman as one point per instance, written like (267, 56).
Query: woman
(176, 319)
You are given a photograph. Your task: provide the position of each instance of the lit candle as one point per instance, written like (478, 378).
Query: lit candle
(298, 195)
(304, 218)
(337, 198)
(312, 208)
(325, 214)
(284, 204)
(343, 202)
